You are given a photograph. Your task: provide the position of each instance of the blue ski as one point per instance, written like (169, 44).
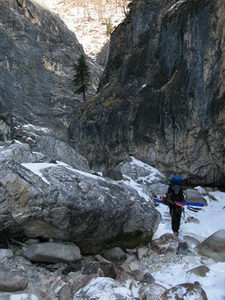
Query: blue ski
(182, 203)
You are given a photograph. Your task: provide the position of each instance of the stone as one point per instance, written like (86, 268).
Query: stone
(52, 205)
(112, 174)
(104, 287)
(167, 243)
(141, 252)
(194, 196)
(213, 246)
(199, 271)
(53, 252)
(185, 290)
(116, 255)
(5, 254)
(151, 291)
(183, 248)
(12, 281)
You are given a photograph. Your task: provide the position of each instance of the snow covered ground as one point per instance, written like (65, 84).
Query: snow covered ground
(211, 219)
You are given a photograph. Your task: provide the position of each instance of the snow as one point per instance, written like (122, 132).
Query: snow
(211, 219)
(18, 297)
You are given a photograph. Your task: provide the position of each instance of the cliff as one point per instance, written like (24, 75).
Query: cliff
(37, 55)
(162, 95)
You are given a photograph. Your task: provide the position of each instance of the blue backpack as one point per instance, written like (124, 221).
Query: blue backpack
(175, 180)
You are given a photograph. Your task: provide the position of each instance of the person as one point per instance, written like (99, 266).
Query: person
(175, 193)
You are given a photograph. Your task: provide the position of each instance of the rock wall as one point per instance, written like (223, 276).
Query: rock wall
(37, 54)
(162, 95)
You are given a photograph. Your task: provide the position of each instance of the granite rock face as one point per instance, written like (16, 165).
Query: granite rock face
(37, 55)
(162, 94)
(70, 205)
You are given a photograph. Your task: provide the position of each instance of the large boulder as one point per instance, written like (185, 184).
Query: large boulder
(213, 246)
(63, 203)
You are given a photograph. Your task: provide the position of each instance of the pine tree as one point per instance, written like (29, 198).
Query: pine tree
(82, 75)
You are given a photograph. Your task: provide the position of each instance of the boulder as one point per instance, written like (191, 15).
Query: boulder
(21, 153)
(12, 281)
(214, 246)
(53, 252)
(199, 271)
(104, 287)
(151, 291)
(185, 291)
(167, 243)
(50, 202)
(116, 255)
(194, 196)
(5, 253)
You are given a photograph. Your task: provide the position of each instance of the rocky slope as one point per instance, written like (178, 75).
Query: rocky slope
(88, 20)
(162, 93)
(37, 54)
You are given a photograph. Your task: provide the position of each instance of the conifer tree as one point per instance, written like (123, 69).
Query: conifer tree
(82, 75)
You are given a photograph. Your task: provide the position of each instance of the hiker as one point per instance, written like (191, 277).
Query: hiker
(175, 195)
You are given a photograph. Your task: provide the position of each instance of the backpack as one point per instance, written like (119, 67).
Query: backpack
(175, 180)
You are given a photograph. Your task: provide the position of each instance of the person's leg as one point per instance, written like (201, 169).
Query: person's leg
(176, 219)
(173, 217)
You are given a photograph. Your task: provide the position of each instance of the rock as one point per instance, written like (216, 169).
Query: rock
(53, 252)
(116, 255)
(42, 62)
(184, 126)
(109, 270)
(167, 243)
(21, 153)
(91, 268)
(12, 281)
(141, 252)
(148, 278)
(53, 204)
(183, 248)
(138, 275)
(199, 271)
(112, 174)
(134, 266)
(65, 293)
(104, 287)
(213, 246)
(136, 169)
(101, 259)
(192, 220)
(192, 241)
(151, 291)
(61, 151)
(5, 253)
(6, 127)
(185, 290)
(194, 196)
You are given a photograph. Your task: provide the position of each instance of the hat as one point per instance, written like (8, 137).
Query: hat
(176, 188)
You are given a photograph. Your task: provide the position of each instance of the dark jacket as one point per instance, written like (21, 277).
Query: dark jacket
(172, 197)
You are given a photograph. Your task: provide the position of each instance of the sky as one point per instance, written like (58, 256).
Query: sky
(211, 219)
